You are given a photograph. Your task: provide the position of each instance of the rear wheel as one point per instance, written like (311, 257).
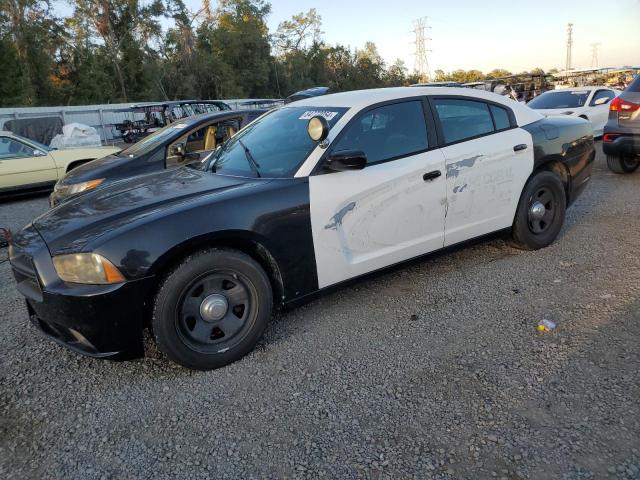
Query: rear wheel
(212, 309)
(540, 213)
(622, 164)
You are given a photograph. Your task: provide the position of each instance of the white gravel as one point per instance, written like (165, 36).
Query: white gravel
(432, 371)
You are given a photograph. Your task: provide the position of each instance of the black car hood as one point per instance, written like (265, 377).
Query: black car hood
(79, 220)
(100, 168)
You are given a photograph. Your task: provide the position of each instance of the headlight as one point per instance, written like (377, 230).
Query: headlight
(86, 268)
(78, 187)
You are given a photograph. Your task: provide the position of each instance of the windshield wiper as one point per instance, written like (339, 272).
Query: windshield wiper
(252, 161)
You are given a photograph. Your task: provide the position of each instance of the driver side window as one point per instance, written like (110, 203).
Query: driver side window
(10, 148)
(195, 145)
(387, 132)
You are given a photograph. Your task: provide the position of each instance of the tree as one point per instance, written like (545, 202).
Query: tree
(498, 73)
(124, 26)
(295, 33)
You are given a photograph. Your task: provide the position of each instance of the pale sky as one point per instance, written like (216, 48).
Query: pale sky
(480, 34)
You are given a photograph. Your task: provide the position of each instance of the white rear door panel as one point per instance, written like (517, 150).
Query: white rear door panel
(485, 178)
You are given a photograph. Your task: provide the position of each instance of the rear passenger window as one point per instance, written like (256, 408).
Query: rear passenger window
(387, 132)
(462, 119)
(500, 117)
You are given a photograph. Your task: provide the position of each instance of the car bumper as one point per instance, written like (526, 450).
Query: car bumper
(105, 324)
(624, 144)
(104, 321)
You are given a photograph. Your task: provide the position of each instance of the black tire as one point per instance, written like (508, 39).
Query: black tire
(179, 326)
(529, 232)
(621, 164)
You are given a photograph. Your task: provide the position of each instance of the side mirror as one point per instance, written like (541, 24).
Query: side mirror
(38, 153)
(601, 101)
(346, 160)
(177, 150)
(318, 128)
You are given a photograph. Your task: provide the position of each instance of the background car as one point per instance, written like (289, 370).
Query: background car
(180, 143)
(621, 139)
(309, 196)
(590, 103)
(28, 166)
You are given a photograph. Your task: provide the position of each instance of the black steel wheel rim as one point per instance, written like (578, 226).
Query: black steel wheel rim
(630, 162)
(547, 198)
(214, 335)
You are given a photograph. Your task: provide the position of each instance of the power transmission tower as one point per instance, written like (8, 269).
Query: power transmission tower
(594, 55)
(569, 45)
(422, 62)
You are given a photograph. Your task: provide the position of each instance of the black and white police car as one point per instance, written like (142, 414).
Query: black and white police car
(308, 196)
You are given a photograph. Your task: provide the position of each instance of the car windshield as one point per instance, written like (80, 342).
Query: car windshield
(150, 142)
(564, 99)
(275, 145)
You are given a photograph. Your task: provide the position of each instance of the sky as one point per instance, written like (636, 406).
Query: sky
(479, 34)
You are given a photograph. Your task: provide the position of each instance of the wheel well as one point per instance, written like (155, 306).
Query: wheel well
(557, 167)
(77, 163)
(251, 247)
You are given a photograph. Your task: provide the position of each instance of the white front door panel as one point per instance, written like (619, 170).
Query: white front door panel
(368, 219)
(485, 178)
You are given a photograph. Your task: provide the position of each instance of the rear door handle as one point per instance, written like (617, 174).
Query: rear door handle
(522, 146)
(427, 177)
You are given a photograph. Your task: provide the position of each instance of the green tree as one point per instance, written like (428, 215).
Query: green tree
(498, 73)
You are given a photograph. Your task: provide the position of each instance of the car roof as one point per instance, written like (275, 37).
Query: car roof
(359, 99)
(8, 133)
(590, 88)
(221, 115)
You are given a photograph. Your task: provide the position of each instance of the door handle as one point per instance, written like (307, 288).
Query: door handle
(427, 177)
(522, 146)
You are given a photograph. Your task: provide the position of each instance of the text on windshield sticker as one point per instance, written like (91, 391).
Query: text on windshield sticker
(309, 114)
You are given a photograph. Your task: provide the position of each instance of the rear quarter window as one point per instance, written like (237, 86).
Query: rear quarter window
(500, 117)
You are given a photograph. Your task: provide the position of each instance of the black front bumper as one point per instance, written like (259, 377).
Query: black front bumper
(621, 145)
(104, 321)
(107, 323)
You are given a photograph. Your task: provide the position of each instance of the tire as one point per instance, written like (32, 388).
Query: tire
(190, 323)
(529, 231)
(622, 164)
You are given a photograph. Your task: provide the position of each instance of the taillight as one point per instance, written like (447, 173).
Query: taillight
(620, 105)
(609, 137)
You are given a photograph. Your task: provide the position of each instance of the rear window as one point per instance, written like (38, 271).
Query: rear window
(462, 119)
(635, 85)
(563, 99)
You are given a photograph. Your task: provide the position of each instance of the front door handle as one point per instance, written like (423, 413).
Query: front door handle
(522, 146)
(427, 177)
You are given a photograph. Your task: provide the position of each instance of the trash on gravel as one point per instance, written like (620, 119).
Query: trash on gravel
(545, 325)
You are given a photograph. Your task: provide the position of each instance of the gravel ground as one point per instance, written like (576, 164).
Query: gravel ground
(432, 371)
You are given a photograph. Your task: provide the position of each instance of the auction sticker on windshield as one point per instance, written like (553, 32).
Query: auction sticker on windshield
(318, 113)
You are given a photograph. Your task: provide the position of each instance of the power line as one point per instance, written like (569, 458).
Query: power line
(594, 54)
(422, 62)
(569, 45)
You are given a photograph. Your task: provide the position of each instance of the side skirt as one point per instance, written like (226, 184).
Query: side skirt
(304, 299)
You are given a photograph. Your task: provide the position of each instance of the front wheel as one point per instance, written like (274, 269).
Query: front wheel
(622, 164)
(540, 212)
(212, 309)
